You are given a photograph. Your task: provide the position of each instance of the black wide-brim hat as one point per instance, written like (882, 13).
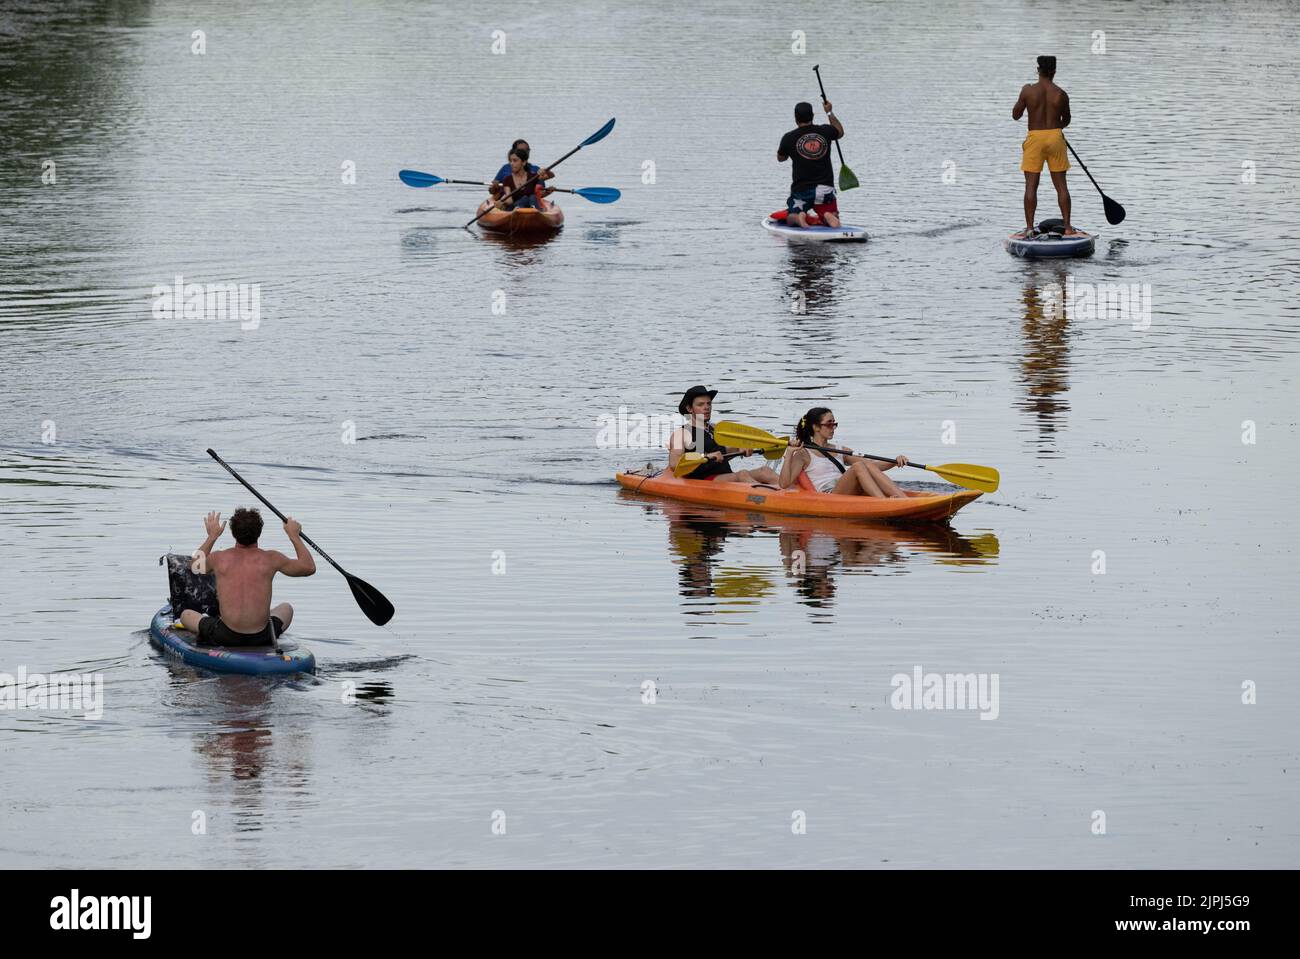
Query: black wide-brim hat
(684, 407)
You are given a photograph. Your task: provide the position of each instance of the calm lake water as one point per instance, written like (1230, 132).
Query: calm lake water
(536, 602)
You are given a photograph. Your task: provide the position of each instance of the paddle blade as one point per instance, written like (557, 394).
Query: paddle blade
(416, 178)
(1114, 212)
(688, 464)
(372, 602)
(983, 478)
(847, 180)
(599, 134)
(747, 437)
(599, 194)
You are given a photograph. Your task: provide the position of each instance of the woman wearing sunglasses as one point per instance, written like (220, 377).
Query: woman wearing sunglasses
(837, 472)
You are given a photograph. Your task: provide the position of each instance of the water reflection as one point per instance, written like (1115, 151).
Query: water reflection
(1044, 364)
(809, 280)
(519, 249)
(248, 744)
(813, 552)
(380, 694)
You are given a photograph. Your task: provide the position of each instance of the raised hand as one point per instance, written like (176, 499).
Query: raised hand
(213, 524)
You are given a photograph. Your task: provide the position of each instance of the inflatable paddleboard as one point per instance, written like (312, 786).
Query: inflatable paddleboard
(284, 657)
(814, 234)
(1049, 242)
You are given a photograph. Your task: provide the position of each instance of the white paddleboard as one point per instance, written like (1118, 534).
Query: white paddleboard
(816, 234)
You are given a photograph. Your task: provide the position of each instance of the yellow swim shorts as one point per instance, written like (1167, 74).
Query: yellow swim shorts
(1044, 146)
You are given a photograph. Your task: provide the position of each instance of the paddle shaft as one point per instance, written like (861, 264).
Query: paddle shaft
(827, 449)
(983, 478)
(1081, 163)
(284, 519)
(818, 70)
(864, 456)
(555, 189)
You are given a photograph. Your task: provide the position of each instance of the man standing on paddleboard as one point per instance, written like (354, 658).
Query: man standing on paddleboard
(244, 575)
(808, 147)
(1049, 114)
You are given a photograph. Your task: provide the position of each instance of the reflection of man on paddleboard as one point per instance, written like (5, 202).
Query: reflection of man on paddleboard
(808, 148)
(1048, 107)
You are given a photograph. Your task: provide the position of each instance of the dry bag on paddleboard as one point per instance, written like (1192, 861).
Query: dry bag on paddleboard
(188, 589)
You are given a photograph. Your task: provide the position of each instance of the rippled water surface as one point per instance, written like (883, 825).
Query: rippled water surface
(535, 600)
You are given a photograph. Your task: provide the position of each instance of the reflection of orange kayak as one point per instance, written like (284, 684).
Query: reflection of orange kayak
(928, 537)
(522, 222)
(798, 502)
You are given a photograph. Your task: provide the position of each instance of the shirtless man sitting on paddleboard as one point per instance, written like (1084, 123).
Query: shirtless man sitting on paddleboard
(244, 573)
(1049, 114)
(697, 436)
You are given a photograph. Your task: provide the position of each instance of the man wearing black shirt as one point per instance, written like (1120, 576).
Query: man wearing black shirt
(808, 147)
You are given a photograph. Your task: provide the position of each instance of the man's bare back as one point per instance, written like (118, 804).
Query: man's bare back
(244, 575)
(1047, 104)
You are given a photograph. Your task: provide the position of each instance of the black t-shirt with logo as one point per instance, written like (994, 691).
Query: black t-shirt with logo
(809, 150)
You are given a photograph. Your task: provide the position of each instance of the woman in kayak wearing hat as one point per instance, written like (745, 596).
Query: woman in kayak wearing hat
(697, 436)
(831, 473)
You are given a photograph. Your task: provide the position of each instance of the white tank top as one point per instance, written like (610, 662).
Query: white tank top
(822, 472)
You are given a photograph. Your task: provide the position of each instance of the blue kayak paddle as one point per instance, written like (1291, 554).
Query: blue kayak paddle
(596, 194)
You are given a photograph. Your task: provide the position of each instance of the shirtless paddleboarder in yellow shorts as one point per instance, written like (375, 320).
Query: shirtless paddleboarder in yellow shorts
(1048, 107)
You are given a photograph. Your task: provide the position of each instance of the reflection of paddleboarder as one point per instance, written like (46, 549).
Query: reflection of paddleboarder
(1048, 107)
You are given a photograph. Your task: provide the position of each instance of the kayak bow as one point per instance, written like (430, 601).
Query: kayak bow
(521, 221)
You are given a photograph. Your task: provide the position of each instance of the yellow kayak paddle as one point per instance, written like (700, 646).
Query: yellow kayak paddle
(690, 462)
(983, 478)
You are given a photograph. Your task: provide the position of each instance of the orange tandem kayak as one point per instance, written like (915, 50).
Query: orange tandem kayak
(522, 222)
(797, 502)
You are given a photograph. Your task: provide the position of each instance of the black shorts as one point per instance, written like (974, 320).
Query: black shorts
(213, 632)
(709, 469)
